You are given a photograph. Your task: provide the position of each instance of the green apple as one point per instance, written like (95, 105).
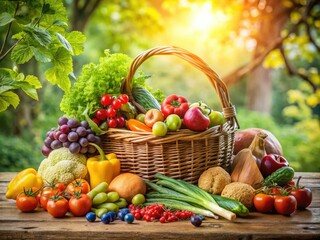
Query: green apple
(216, 118)
(159, 129)
(173, 122)
(203, 106)
(140, 117)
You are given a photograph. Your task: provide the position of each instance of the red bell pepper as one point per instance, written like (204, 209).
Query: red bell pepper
(174, 104)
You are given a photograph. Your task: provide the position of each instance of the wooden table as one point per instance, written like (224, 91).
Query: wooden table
(40, 225)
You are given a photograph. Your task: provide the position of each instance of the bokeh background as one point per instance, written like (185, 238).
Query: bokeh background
(266, 51)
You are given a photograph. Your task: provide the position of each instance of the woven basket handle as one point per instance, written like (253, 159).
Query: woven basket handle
(219, 86)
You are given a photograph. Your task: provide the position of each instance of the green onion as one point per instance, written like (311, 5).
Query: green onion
(187, 192)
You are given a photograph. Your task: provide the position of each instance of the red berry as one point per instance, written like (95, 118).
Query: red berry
(101, 115)
(112, 123)
(96, 121)
(106, 100)
(124, 98)
(111, 112)
(116, 103)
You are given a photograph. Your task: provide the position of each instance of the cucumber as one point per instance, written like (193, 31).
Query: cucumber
(281, 176)
(145, 98)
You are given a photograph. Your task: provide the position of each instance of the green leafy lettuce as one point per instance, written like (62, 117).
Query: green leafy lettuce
(96, 80)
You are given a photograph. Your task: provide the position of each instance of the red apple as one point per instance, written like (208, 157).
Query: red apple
(195, 119)
(271, 163)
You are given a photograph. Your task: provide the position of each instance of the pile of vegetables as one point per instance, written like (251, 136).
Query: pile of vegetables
(77, 176)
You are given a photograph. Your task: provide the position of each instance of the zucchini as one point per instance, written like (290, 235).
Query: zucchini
(281, 176)
(145, 98)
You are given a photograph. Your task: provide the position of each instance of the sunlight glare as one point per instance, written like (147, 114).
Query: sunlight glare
(203, 18)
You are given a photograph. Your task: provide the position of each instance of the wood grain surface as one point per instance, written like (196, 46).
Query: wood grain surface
(40, 225)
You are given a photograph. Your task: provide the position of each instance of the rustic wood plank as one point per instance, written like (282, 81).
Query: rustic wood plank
(40, 225)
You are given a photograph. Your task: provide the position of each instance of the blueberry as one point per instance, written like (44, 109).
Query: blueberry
(112, 215)
(196, 220)
(91, 216)
(129, 218)
(106, 218)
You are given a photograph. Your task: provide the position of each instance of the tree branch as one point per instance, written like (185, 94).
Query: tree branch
(293, 71)
(233, 77)
(8, 31)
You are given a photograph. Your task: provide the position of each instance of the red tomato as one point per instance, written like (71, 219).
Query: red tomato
(116, 103)
(263, 202)
(124, 98)
(57, 206)
(303, 197)
(49, 192)
(80, 204)
(285, 205)
(106, 100)
(78, 185)
(27, 201)
(276, 191)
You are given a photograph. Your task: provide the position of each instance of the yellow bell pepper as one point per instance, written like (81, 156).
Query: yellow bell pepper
(102, 168)
(25, 179)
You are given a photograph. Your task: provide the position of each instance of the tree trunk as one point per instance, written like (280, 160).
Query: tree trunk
(259, 82)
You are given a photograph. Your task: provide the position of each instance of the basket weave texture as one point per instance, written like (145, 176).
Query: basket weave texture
(184, 154)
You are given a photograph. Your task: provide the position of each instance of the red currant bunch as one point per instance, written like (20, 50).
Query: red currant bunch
(110, 111)
(158, 212)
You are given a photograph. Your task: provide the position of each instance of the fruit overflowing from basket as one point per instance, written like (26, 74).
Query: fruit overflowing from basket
(148, 131)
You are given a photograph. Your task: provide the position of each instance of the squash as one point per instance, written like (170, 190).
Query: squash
(127, 185)
(245, 169)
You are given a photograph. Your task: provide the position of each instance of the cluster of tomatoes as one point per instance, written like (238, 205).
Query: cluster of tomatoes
(283, 200)
(108, 113)
(57, 199)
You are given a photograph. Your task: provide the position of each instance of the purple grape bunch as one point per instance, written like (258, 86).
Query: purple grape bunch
(71, 134)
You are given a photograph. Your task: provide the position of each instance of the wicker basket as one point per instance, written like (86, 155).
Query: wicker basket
(184, 154)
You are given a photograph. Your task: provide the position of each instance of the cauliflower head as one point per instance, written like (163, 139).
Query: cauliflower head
(63, 166)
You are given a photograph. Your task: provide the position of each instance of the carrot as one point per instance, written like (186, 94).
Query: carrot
(137, 126)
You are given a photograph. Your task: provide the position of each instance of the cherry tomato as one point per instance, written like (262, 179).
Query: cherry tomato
(276, 191)
(263, 202)
(124, 98)
(101, 114)
(57, 206)
(303, 195)
(96, 120)
(285, 205)
(121, 122)
(49, 191)
(112, 123)
(111, 112)
(116, 103)
(106, 99)
(27, 201)
(78, 185)
(80, 204)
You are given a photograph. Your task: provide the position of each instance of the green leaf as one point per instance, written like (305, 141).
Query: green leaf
(76, 39)
(64, 42)
(42, 36)
(7, 99)
(34, 81)
(58, 74)
(22, 53)
(57, 77)
(41, 56)
(60, 23)
(29, 90)
(5, 18)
